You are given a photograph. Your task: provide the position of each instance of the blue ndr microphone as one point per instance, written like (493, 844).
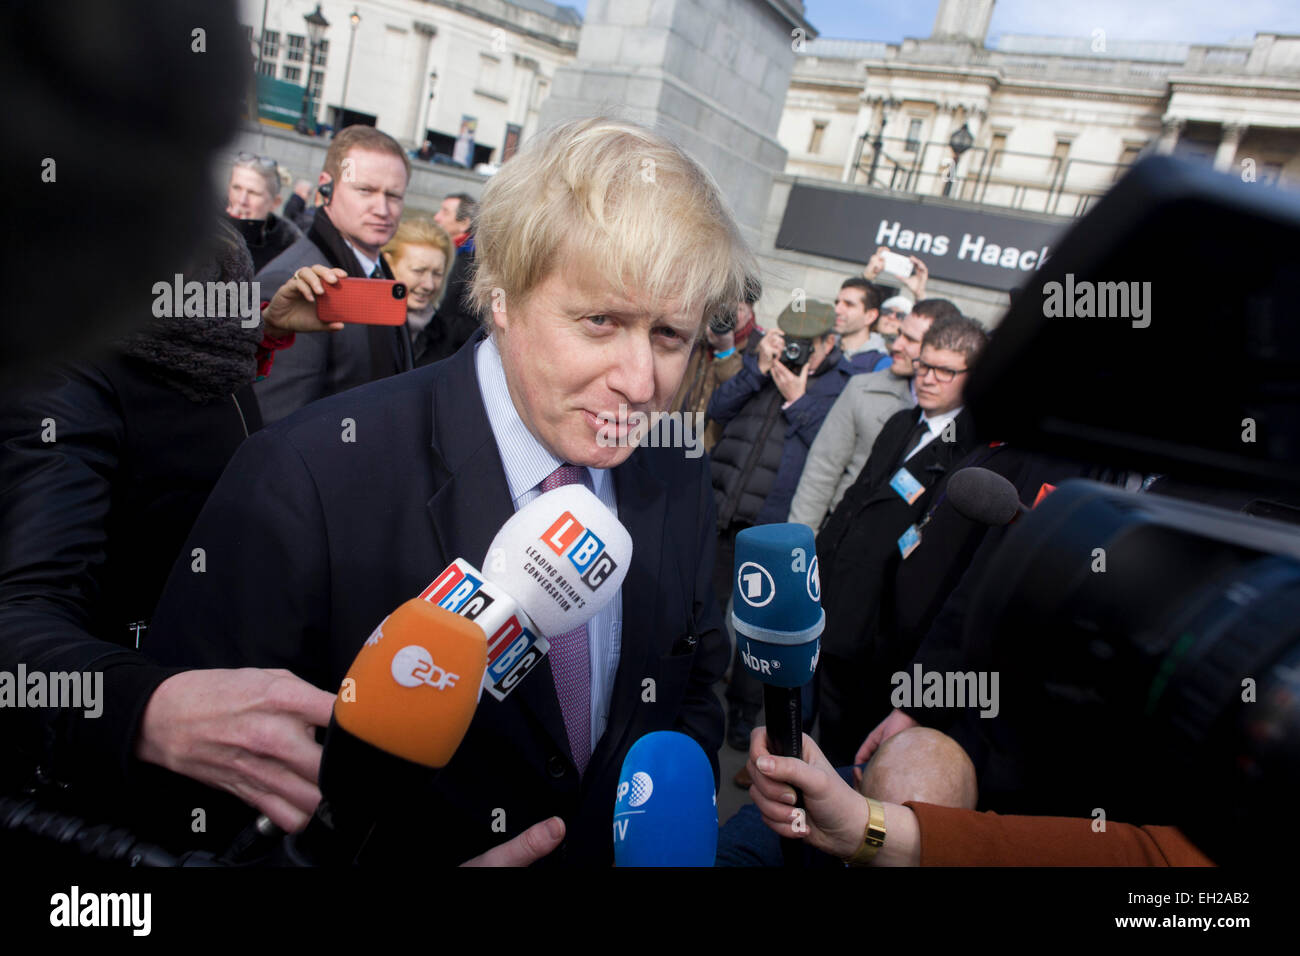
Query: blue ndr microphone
(777, 610)
(778, 617)
(665, 809)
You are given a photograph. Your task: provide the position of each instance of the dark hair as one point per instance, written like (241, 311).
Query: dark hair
(957, 333)
(936, 309)
(870, 294)
(467, 207)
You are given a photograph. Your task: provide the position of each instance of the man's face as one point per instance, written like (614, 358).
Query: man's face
(248, 197)
(577, 350)
(446, 216)
(890, 321)
(368, 198)
(851, 315)
(907, 347)
(934, 396)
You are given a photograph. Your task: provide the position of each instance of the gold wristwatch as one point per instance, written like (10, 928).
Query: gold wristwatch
(873, 837)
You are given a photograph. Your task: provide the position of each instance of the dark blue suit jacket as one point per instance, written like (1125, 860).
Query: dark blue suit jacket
(309, 541)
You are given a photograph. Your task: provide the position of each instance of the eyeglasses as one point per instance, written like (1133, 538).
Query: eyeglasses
(944, 375)
(895, 313)
(266, 161)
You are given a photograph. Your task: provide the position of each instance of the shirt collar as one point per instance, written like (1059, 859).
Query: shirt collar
(939, 421)
(366, 262)
(525, 459)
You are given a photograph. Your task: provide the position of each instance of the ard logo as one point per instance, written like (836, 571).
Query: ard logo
(586, 552)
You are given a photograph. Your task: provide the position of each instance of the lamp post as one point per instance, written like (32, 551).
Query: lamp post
(355, 18)
(961, 141)
(316, 27)
(885, 107)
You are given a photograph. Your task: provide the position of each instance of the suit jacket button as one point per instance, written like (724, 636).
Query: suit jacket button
(555, 766)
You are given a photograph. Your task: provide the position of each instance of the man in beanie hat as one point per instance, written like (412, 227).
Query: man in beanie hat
(770, 411)
(893, 311)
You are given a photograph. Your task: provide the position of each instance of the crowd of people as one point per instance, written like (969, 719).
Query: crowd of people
(199, 532)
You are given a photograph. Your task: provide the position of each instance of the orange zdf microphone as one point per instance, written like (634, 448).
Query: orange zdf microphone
(402, 711)
(555, 563)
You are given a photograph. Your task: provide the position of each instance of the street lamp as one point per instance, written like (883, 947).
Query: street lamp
(885, 107)
(316, 27)
(347, 70)
(961, 141)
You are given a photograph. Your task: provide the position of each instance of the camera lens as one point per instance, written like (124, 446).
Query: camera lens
(399, 291)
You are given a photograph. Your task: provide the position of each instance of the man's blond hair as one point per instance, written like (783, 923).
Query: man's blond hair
(622, 199)
(361, 137)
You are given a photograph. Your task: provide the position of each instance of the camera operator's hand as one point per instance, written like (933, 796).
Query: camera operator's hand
(896, 722)
(293, 307)
(792, 386)
(770, 349)
(251, 732)
(916, 281)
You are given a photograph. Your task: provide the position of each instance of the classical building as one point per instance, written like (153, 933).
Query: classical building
(421, 69)
(1044, 124)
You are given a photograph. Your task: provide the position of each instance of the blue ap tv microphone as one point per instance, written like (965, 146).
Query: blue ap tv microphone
(778, 618)
(665, 808)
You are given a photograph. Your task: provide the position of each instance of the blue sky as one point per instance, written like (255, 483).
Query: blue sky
(1190, 21)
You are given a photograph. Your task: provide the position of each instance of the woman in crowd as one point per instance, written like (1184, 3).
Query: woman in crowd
(421, 255)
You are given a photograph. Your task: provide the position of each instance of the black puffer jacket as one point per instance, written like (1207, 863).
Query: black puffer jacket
(746, 459)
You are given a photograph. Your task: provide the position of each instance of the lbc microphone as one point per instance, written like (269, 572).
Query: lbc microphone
(551, 567)
(985, 497)
(777, 615)
(665, 808)
(402, 711)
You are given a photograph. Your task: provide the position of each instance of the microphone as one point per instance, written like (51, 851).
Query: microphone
(551, 567)
(403, 709)
(985, 497)
(777, 615)
(665, 808)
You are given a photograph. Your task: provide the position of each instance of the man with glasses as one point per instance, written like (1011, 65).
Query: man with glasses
(855, 420)
(878, 523)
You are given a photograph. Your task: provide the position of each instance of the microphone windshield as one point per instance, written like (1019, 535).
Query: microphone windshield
(561, 557)
(414, 685)
(665, 808)
(776, 609)
(984, 496)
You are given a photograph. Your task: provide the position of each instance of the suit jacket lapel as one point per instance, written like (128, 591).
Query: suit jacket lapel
(642, 508)
(472, 504)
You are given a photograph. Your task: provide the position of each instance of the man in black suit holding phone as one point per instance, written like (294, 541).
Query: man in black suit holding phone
(595, 301)
(364, 184)
(878, 523)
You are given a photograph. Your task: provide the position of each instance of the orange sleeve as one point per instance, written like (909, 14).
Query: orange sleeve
(952, 837)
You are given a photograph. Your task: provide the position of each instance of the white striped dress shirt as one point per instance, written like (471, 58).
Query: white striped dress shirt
(527, 463)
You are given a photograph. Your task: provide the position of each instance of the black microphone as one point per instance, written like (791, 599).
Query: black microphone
(778, 618)
(985, 497)
(403, 709)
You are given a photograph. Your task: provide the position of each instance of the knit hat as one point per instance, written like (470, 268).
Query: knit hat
(813, 319)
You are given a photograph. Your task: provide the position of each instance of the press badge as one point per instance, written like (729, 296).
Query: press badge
(909, 541)
(908, 488)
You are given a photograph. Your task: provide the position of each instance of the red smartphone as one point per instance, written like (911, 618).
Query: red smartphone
(363, 301)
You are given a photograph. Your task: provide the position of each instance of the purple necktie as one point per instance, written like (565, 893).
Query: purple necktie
(571, 657)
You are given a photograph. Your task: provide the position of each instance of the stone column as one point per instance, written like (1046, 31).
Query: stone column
(1227, 152)
(425, 32)
(1173, 128)
(712, 76)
